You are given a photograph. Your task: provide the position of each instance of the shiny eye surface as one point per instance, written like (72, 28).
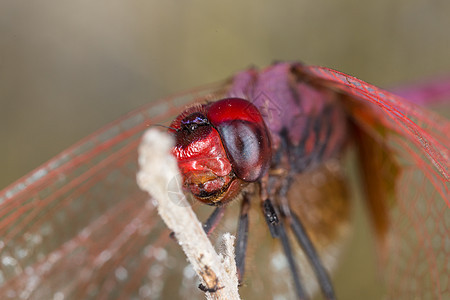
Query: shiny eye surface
(244, 136)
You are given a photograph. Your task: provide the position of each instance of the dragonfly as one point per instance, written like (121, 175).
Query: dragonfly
(80, 227)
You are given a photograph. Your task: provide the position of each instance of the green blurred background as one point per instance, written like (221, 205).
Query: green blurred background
(69, 67)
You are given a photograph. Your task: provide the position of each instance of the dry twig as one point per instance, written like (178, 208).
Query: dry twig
(158, 168)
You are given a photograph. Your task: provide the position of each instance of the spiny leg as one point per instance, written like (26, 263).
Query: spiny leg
(242, 235)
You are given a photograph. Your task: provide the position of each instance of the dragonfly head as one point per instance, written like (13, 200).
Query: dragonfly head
(220, 148)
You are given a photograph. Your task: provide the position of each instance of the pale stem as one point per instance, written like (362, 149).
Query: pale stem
(157, 168)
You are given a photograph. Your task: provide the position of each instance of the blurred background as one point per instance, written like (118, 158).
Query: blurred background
(69, 67)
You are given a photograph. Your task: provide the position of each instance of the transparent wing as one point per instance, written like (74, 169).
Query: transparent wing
(78, 227)
(404, 156)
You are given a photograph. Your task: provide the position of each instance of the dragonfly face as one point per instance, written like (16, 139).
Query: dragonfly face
(221, 147)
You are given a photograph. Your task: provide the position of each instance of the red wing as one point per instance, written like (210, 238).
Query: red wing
(79, 226)
(413, 144)
(427, 92)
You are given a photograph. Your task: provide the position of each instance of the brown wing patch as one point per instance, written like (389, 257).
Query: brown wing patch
(321, 201)
(378, 175)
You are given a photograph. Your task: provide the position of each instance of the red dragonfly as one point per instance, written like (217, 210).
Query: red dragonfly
(79, 227)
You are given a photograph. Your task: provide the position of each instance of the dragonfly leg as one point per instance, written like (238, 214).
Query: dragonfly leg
(214, 219)
(311, 253)
(211, 222)
(291, 261)
(305, 243)
(271, 217)
(242, 235)
(268, 209)
(277, 186)
(278, 230)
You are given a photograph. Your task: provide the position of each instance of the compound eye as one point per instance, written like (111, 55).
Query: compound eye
(244, 135)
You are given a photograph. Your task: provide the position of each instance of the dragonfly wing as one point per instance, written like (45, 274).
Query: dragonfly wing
(427, 92)
(79, 227)
(404, 151)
